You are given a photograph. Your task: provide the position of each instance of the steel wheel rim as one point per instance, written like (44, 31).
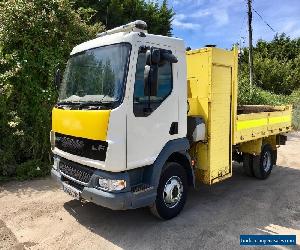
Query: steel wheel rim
(267, 161)
(173, 191)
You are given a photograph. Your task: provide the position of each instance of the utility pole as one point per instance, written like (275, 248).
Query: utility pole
(250, 43)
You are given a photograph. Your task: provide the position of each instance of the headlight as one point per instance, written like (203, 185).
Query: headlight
(111, 185)
(52, 139)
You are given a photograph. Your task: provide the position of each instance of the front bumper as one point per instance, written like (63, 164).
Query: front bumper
(114, 201)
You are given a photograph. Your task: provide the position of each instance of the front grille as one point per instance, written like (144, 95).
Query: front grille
(141, 188)
(93, 149)
(72, 183)
(80, 173)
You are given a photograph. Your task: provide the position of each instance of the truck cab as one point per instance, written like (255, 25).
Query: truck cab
(121, 113)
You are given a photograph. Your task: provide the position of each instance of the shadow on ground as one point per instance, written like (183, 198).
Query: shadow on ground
(28, 187)
(214, 217)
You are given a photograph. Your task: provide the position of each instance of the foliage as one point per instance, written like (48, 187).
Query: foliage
(276, 74)
(36, 36)
(114, 13)
(258, 96)
(295, 100)
(276, 64)
(296, 117)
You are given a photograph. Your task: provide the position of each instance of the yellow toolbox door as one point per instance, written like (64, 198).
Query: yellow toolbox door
(220, 135)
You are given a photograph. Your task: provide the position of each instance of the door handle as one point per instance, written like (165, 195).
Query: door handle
(174, 128)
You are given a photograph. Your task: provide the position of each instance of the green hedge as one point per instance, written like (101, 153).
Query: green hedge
(36, 37)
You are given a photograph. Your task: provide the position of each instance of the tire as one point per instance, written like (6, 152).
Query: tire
(274, 157)
(172, 184)
(263, 163)
(247, 164)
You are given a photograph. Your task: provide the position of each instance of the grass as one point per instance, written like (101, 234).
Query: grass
(296, 117)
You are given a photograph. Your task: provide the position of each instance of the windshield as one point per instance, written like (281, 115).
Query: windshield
(95, 75)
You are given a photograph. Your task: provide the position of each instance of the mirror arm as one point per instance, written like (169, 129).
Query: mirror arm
(149, 81)
(148, 109)
(149, 92)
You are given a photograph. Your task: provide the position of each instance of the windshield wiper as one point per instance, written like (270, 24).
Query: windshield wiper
(68, 103)
(84, 104)
(97, 104)
(89, 103)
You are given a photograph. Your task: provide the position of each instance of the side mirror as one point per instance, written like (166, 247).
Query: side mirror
(167, 56)
(152, 56)
(155, 58)
(57, 79)
(150, 80)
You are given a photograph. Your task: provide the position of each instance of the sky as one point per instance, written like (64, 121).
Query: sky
(224, 22)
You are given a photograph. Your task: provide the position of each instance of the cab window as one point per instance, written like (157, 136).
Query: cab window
(165, 85)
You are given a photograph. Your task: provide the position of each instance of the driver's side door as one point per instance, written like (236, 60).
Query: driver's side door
(148, 131)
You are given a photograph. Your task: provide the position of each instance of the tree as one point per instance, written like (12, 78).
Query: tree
(113, 13)
(276, 64)
(36, 36)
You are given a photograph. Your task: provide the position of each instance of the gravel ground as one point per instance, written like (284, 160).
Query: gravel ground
(38, 215)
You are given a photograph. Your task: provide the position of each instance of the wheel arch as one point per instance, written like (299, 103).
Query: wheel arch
(184, 159)
(174, 150)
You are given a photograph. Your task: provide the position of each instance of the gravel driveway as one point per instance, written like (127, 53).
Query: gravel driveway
(38, 215)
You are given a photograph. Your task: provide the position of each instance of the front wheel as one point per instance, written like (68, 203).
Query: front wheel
(171, 192)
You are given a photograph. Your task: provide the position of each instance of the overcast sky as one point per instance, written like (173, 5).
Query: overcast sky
(224, 22)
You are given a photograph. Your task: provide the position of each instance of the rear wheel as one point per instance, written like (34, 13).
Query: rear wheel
(171, 192)
(275, 157)
(263, 163)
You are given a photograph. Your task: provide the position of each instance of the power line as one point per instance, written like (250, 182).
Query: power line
(260, 16)
(242, 27)
(249, 3)
(264, 20)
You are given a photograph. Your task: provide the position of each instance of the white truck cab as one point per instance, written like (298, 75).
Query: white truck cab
(120, 116)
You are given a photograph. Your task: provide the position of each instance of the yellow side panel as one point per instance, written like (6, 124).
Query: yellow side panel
(211, 86)
(252, 123)
(223, 57)
(90, 124)
(198, 68)
(280, 119)
(198, 63)
(220, 120)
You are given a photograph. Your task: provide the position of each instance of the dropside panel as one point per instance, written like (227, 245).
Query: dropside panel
(253, 126)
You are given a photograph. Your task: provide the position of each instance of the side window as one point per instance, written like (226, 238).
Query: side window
(165, 85)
